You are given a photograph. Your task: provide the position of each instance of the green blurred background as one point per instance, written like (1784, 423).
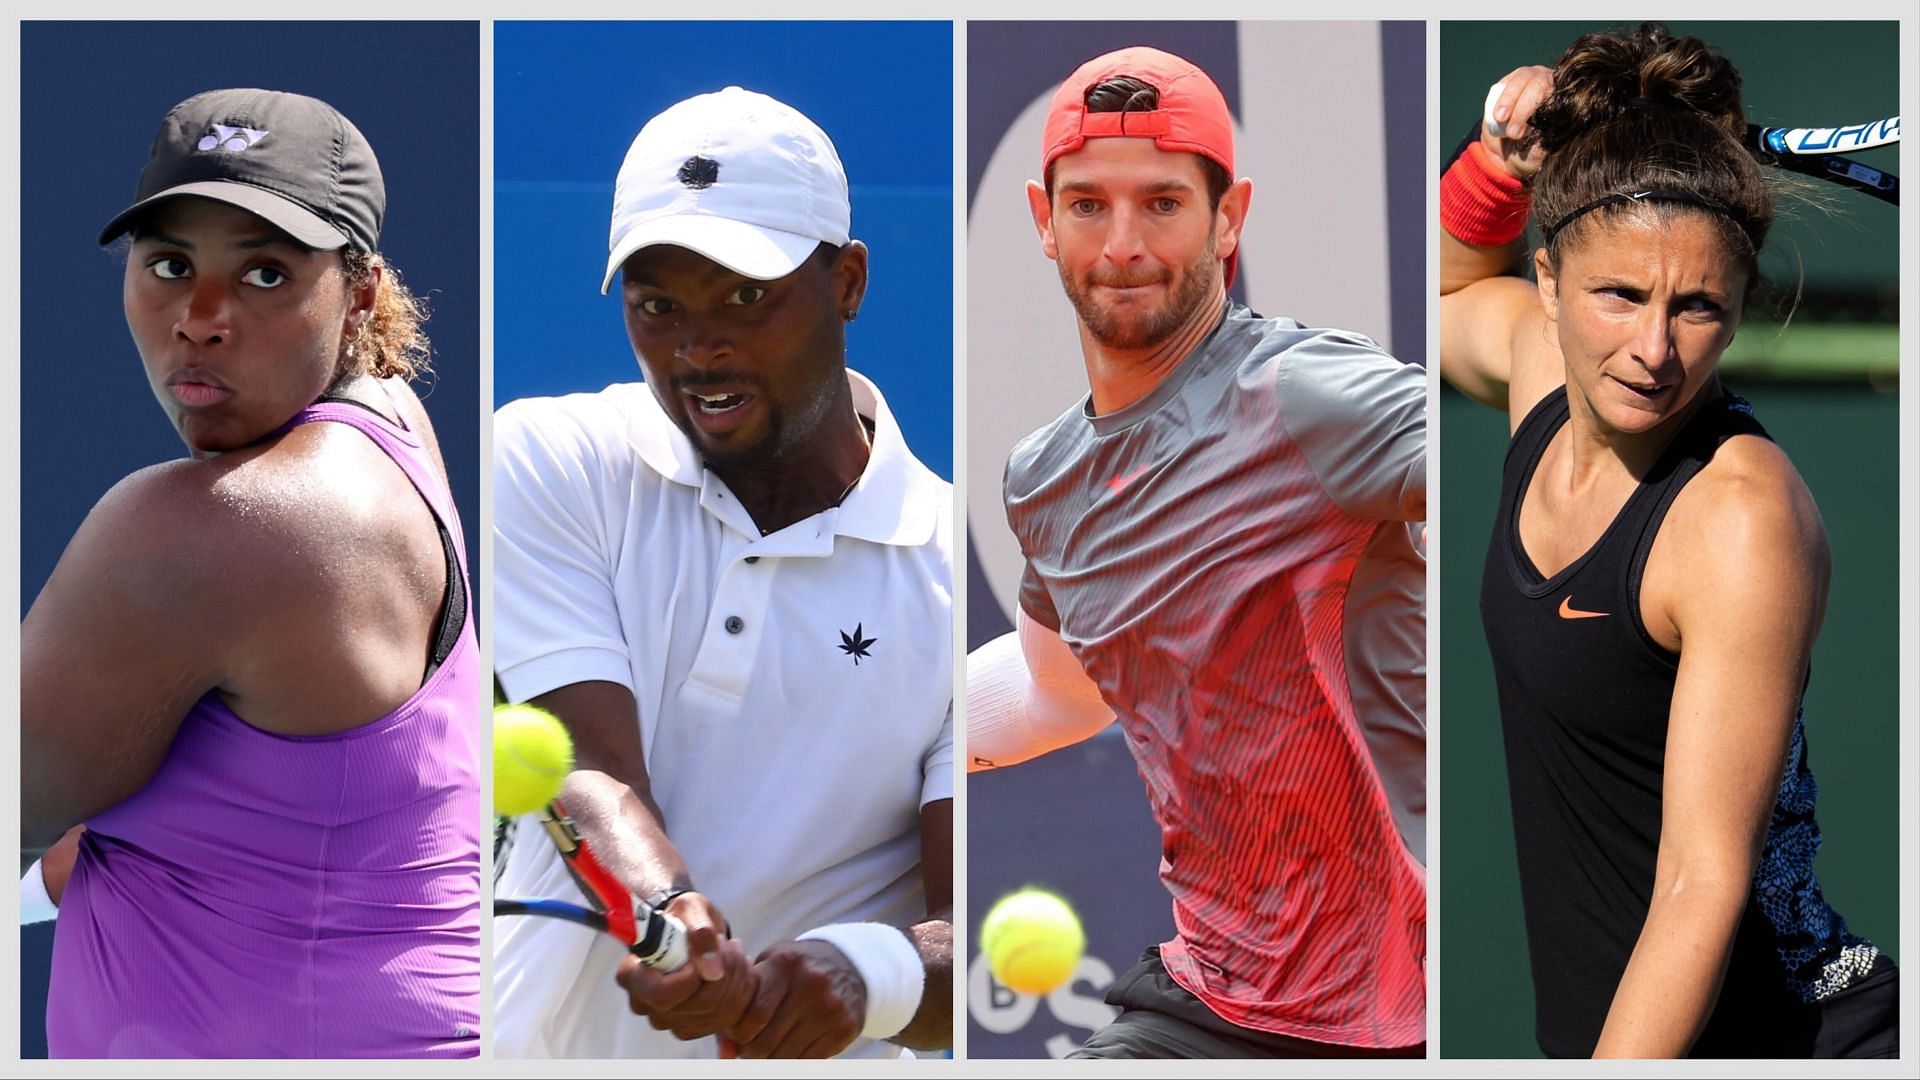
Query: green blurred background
(1824, 386)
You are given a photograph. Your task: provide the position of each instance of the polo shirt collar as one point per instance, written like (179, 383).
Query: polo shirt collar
(895, 501)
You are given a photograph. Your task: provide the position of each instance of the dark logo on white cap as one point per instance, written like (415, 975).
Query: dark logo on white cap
(699, 172)
(231, 139)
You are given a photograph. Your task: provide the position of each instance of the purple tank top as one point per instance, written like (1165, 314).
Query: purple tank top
(270, 896)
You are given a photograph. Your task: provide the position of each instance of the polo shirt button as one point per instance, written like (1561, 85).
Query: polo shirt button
(751, 559)
(735, 624)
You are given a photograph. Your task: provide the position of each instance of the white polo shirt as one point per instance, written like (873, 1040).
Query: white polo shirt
(794, 690)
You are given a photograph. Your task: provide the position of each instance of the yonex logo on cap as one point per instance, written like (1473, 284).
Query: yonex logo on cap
(699, 172)
(231, 139)
(291, 160)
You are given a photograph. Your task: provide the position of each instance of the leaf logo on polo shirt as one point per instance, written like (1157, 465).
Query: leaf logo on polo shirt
(855, 645)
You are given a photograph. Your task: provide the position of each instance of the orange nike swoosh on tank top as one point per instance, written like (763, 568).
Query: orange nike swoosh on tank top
(1568, 611)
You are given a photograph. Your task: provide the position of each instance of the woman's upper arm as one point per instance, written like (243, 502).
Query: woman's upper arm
(128, 632)
(1744, 575)
(1490, 319)
(1494, 343)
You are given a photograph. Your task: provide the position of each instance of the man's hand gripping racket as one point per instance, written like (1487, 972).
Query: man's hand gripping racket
(652, 935)
(532, 755)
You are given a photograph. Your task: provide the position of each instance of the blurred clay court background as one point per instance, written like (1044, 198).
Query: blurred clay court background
(1824, 386)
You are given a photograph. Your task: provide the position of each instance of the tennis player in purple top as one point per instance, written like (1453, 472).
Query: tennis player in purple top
(253, 675)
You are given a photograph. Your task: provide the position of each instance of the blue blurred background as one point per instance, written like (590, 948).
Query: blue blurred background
(91, 97)
(568, 98)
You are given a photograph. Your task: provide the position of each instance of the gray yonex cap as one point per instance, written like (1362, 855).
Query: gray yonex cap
(290, 159)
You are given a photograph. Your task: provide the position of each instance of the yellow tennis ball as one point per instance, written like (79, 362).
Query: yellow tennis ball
(532, 756)
(1033, 941)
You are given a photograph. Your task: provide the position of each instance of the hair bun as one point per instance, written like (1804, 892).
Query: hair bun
(1605, 76)
(1642, 115)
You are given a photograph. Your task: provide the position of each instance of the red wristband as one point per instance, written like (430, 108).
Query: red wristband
(1480, 204)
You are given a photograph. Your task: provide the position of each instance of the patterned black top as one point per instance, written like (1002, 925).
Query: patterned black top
(1585, 693)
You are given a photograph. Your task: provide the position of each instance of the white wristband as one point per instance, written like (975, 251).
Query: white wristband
(888, 963)
(35, 904)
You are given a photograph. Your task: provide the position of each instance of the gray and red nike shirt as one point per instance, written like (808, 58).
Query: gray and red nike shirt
(1236, 561)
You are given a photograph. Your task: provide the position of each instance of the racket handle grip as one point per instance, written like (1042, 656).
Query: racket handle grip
(663, 942)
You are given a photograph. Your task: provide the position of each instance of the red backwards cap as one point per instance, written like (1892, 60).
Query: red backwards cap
(1191, 118)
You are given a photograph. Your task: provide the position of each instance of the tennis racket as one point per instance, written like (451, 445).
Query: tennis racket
(657, 938)
(1812, 141)
(1821, 152)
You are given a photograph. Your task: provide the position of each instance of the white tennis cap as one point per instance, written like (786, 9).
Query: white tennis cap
(738, 177)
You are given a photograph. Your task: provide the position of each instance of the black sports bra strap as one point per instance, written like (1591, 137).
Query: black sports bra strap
(395, 420)
(453, 609)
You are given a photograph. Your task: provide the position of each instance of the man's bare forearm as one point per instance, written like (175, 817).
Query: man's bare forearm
(626, 831)
(932, 1025)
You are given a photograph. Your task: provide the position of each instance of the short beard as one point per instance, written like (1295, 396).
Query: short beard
(761, 455)
(1150, 328)
(788, 434)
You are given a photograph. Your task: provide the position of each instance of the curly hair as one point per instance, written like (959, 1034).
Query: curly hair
(390, 342)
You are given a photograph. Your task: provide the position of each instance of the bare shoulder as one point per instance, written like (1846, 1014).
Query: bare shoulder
(276, 518)
(171, 571)
(1751, 500)
(1743, 545)
(192, 517)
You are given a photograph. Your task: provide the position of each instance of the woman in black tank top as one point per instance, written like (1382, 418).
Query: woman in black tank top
(1657, 572)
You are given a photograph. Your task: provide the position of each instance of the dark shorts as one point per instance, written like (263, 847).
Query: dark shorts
(1862, 1021)
(1159, 1018)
